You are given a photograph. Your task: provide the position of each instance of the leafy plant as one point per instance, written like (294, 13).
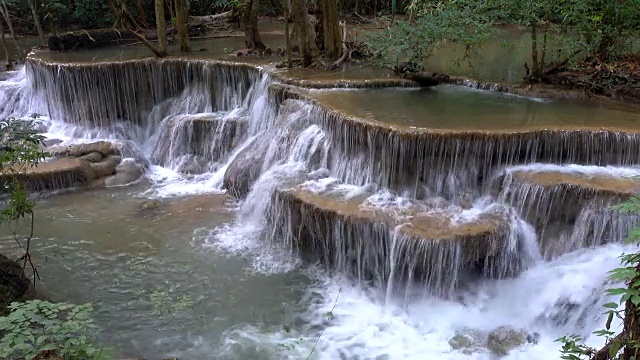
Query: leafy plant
(19, 150)
(462, 23)
(38, 327)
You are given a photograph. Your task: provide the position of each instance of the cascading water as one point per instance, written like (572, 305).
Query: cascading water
(408, 223)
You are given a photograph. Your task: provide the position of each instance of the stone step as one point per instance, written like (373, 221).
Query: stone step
(401, 156)
(570, 205)
(379, 236)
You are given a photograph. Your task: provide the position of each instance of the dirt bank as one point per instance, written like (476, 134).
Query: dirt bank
(619, 79)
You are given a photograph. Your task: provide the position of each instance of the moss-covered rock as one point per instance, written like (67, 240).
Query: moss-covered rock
(505, 338)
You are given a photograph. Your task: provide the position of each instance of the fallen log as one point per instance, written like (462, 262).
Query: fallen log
(208, 19)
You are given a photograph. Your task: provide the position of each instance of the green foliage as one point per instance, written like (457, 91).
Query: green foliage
(19, 149)
(562, 31)
(628, 273)
(164, 302)
(461, 23)
(35, 327)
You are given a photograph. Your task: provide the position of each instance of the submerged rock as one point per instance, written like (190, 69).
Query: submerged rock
(505, 338)
(150, 204)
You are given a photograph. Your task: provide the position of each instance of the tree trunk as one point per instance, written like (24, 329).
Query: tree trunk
(172, 14)
(161, 28)
(141, 14)
(319, 25)
(306, 42)
(287, 34)
(181, 24)
(36, 21)
(5, 13)
(332, 38)
(631, 322)
(6, 48)
(537, 69)
(252, 37)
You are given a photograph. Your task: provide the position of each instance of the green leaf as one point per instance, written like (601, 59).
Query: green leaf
(617, 291)
(609, 319)
(611, 305)
(615, 347)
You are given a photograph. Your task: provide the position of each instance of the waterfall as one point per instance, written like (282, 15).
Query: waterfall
(402, 209)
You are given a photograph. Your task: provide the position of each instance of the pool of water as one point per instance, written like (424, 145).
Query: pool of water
(449, 107)
(158, 289)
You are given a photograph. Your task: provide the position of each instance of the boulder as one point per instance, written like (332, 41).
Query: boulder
(194, 165)
(468, 340)
(127, 171)
(54, 174)
(505, 338)
(105, 167)
(92, 157)
(14, 284)
(244, 170)
(103, 147)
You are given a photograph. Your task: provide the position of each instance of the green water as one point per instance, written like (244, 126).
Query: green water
(448, 107)
(158, 291)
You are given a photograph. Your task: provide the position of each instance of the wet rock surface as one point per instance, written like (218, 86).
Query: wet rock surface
(208, 136)
(500, 341)
(127, 172)
(570, 206)
(103, 147)
(504, 339)
(468, 340)
(244, 170)
(90, 164)
(53, 174)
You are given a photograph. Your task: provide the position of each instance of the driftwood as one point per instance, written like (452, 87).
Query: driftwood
(208, 19)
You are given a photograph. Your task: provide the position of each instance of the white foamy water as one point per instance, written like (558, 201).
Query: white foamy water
(365, 326)
(586, 170)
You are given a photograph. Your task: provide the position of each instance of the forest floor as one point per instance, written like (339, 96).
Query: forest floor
(619, 79)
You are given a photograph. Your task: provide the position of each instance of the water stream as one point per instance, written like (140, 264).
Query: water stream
(176, 267)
